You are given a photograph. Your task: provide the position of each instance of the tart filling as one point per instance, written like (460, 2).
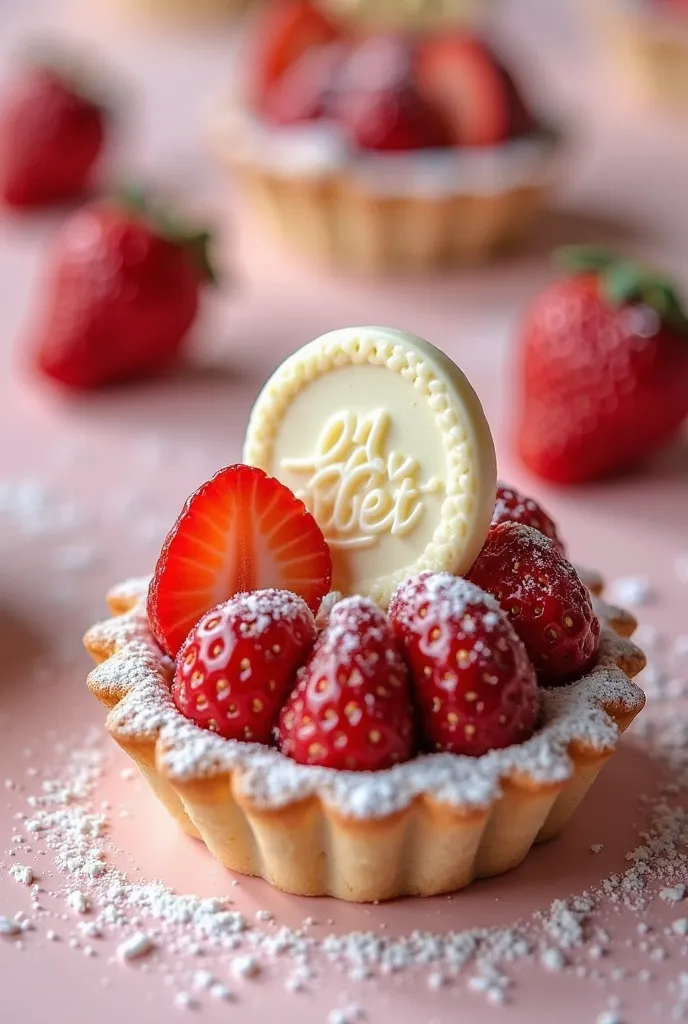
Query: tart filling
(135, 678)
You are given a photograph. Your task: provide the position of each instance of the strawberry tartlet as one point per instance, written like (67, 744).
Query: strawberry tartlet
(384, 680)
(383, 152)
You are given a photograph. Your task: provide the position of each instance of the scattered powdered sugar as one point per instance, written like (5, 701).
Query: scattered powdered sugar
(138, 674)
(136, 946)
(22, 874)
(152, 926)
(673, 894)
(35, 508)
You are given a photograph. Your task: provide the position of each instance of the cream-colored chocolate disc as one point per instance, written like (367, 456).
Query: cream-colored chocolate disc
(385, 441)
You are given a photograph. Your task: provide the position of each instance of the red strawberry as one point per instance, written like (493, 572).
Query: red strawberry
(544, 597)
(240, 531)
(351, 708)
(51, 137)
(474, 685)
(304, 92)
(462, 80)
(121, 294)
(283, 34)
(238, 664)
(390, 120)
(513, 507)
(604, 370)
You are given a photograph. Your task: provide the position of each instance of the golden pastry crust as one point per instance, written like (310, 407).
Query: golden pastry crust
(337, 222)
(650, 47)
(404, 15)
(427, 827)
(185, 11)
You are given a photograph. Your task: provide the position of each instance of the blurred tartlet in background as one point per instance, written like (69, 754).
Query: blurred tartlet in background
(183, 11)
(649, 40)
(381, 152)
(403, 15)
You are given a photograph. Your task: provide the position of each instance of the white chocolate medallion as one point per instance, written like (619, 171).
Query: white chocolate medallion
(385, 441)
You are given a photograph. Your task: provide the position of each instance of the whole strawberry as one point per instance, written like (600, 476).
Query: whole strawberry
(121, 294)
(548, 604)
(604, 370)
(513, 507)
(474, 686)
(351, 708)
(239, 663)
(52, 135)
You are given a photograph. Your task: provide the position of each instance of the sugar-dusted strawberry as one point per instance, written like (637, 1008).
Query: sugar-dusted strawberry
(513, 507)
(474, 685)
(351, 708)
(306, 90)
(603, 369)
(238, 664)
(285, 30)
(460, 77)
(52, 134)
(541, 592)
(120, 295)
(240, 531)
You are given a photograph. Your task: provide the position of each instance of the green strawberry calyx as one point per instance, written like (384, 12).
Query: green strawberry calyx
(623, 282)
(164, 221)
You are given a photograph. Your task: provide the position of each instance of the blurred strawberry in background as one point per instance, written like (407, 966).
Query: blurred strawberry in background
(122, 292)
(603, 369)
(52, 135)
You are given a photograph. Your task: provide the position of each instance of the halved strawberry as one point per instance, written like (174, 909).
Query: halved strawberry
(240, 531)
(285, 31)
(460, 77)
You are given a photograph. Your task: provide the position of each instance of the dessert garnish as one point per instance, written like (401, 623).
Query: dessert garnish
(543, 595)
(513, 507)
(351, 708)
(121, 293)
(241, 531)
(603, 367)
(475, 688)
(384, 439)
(238, 664)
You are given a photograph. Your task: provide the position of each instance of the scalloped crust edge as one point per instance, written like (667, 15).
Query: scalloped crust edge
(306, 845)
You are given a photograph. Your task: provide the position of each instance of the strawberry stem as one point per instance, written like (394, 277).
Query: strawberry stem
(196, 243)
(623, 282)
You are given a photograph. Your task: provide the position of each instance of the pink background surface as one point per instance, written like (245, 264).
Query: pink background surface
(144, 449)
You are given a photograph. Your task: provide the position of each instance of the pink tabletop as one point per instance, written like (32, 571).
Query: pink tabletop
(89, 487)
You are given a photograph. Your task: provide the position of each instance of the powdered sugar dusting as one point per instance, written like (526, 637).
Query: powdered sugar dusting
(153, 927)
(138, 675)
